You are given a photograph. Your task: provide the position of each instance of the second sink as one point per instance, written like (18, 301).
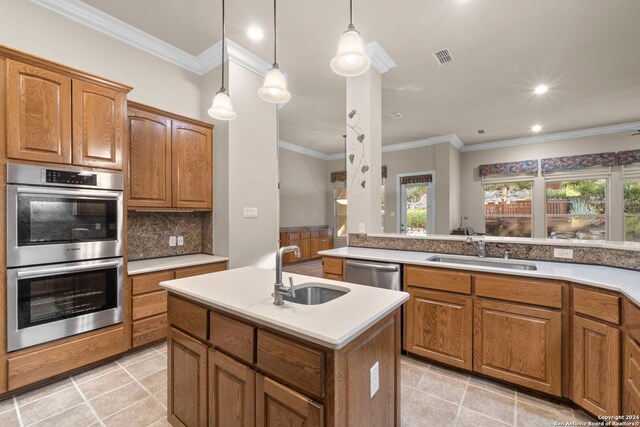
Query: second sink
(313, 293)
(485, 263)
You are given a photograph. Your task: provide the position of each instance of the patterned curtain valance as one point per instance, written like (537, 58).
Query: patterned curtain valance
(341, 176)
(416, 179)
(578, 162)
(628, 157)
(509, 168)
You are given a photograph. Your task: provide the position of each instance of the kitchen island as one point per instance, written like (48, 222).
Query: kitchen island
(236, 359)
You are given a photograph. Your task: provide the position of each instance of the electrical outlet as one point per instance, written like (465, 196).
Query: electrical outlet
(392, 214)
(374, 379)
(563, 253)
(180, 240)
(172, 240)
(361, 227)
(98, 226)
(251, 212)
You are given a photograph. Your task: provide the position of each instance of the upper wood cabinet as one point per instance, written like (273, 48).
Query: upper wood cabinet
(170, 162)
(55, 114)
(38, 114)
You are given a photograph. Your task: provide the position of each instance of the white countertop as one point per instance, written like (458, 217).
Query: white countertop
(616, 279)
(247, 292)
(171, 262)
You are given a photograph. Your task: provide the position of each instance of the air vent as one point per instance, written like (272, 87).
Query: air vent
(443, 56)
(397, 115)
(481, 131)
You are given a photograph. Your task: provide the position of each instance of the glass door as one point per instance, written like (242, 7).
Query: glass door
(417, 216)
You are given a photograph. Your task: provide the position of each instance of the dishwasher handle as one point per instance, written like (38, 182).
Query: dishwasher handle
(385, 267)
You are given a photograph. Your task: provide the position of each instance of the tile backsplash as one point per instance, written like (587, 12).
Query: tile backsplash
(149, 233)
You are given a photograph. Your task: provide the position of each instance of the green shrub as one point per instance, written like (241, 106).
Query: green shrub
(416, 218)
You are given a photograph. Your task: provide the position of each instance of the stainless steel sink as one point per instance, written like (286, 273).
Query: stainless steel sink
(312, 293)
(495, 263)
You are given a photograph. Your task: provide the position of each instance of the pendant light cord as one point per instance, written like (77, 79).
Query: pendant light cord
(351, 12)
(275, 48)
(223, 43)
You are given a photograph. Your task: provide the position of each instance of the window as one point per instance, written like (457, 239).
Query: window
(507, 209)
(576, 209)
(340, 197)
(632, 210)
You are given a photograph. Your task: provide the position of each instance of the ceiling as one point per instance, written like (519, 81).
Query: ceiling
(586, 51)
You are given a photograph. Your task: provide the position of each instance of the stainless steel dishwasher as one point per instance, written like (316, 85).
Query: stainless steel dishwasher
(379, 274)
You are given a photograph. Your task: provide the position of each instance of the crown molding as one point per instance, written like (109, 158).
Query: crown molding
(451, 138)
(380, 59)
(580, 133)
(302, 150)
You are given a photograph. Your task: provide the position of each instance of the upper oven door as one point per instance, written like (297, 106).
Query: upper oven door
(49, 224)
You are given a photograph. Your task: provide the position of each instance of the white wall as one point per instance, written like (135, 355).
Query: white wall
(304, 183)
(31, 28)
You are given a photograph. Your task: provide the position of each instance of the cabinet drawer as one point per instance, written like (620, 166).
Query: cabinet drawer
(294, 236)
(314, 234)
(597, 304)
(149, 304)
(300, 366)
(188, 316)
(149, 330)
(509, 288)
(200, 269)
(438, 279)
(332, 265)
(150, 282)
(304, 235)
(324, 233)
(233, 336)
(337, 277)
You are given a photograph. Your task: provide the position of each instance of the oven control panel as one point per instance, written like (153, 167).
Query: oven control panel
(53, 176)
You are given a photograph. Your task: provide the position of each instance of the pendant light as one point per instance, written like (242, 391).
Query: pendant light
(274, 88)
(221, 108)
(351, 60)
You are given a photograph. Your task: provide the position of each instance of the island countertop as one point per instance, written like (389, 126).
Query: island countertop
(247, 293)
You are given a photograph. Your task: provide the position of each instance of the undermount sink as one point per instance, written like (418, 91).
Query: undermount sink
(483, 262)
(312, 293)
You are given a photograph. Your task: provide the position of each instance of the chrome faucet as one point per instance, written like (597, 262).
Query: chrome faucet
(279, 290)
(479, 246)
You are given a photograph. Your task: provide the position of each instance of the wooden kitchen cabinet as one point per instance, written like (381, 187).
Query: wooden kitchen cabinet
(310, 240)
(277, 405)
(439, 326)
(232, 392)
(631, 376)
(332, 268)
(519, 344)
(187, 380)
(191, 158)
(595, 375)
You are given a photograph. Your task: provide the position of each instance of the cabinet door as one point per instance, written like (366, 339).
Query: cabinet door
(149, 159)
(38, 114)
(323, 244)
(631, 377)
(519, 344)
(187, 370)
(305, 249)
(314, 247)
(439, 326)
(277, 405)
(232, 392)
(596, 366)
(290, 256)
(99, 117)
(191, 166)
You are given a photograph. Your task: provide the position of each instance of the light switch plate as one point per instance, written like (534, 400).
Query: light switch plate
(361, 227)
(374, 378)
(251, 212)
(172, 240)
(563, 253)
(180, 240)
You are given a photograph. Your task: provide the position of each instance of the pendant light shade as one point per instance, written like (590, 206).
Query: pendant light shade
(351, 59)
(274, 88)
(221, 107)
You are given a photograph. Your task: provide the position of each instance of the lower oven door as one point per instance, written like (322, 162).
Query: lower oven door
(49, 302)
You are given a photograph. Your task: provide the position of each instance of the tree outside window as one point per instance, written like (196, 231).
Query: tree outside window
(576, 209)
(508, 208)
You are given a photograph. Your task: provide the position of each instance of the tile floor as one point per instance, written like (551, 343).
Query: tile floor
(308, 268)
(132, 392)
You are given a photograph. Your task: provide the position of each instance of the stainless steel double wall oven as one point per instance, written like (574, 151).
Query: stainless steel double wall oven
(65, 271)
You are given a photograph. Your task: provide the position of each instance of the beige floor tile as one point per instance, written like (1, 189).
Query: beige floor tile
(580, 415)
(132, 358)
(410, 375)
(405, 392)
(427, 410)
(52, 404)
(444, 387)
(7, 404)
(155, 382)
(565, 410)
(105, 383)
(148, 366)
(95, 372)
(469, 418)
(452, 373)
(492, 386)
(43, 391)
(161, 396)
(489, 403)
(141, 414)
(117, 399)
(537, 416)
(162, 423)
(415, 362)
(78, 416)
(9, 419)
(161, 347)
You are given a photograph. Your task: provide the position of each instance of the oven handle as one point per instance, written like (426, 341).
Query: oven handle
(99, 194)
(63, 270)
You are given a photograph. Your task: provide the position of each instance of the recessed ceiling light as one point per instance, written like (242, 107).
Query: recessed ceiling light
(481, 131)
(255, 33)
(540, 89)
(536, 128)
(397, 115)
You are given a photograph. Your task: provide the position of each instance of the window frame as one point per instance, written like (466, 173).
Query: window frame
(506, 180)
(628, 173)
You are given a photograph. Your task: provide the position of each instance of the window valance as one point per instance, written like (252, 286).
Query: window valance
(510, 168)
(416, 179)
(341, 176)
(578, 162)
(628, 157)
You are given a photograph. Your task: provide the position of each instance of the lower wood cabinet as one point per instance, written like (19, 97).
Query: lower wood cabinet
(187, 380)
(596, 366)
(631, 376)
(519, 344)
(439, 326)
(279, 406)
(232, 392)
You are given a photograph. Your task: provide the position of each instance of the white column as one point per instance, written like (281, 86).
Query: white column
(363, 151)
